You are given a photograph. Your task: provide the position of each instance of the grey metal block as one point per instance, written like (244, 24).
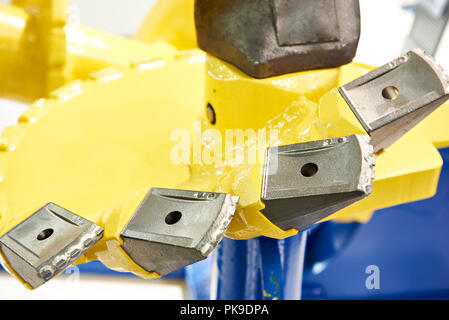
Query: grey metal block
(392, 99)
(47, 243)
(266, 38)
(174, 228)
(306, 182)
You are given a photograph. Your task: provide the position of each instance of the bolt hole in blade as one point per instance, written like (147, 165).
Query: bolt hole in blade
(309, 170)
(45, 234)
(390, 93)
(173, 217)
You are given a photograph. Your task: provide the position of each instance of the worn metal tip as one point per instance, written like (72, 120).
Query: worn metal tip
(392, 99)
(174, 228)
(46, 243)
(306, 182)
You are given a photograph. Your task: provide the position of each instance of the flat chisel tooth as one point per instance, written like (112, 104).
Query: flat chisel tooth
(46, 243)
(175, 228)
(304, 183)
(392, 99)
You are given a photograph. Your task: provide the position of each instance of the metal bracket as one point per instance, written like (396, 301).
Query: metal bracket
(304, 183)
(175, 228)
(392, 99)
(47, 243)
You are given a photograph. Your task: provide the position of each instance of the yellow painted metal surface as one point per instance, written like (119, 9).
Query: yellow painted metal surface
(435, 127)
(170, 21)
(91, 50)
(33, 64)
(96, 145)
(43, 45)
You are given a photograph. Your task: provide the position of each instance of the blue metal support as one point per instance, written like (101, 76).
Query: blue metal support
(239, 274)
(260, 268)
(325, 241)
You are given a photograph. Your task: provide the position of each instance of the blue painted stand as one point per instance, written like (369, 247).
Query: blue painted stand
(260, 268)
